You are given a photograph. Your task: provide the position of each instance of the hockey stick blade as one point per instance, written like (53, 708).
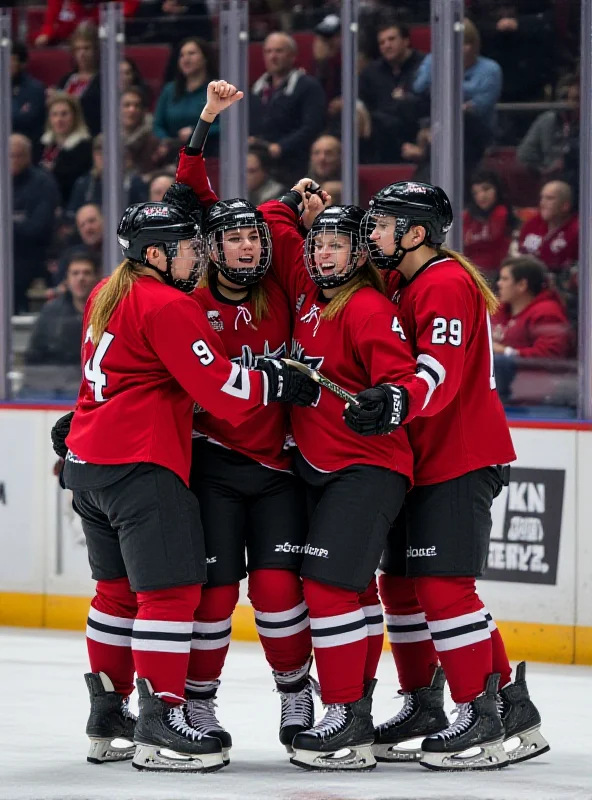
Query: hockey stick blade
(316, 376)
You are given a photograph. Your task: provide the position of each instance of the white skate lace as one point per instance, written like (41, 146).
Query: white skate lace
(333, 720)
(296, 706)
(464, 720)
(201, 715)
(176, 720)
(403, 715)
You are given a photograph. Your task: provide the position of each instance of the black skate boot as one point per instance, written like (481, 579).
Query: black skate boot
(478, 725)
(296, 691)
(162, 726)
(109, 719)
(345, 726)
(201, 715)
(521, 719)
(422, 715)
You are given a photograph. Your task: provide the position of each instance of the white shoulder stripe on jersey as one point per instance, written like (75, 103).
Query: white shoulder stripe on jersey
(238, 383)
(432, 372)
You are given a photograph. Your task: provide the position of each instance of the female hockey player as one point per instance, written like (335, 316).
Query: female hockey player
(439, 545)
(356, 486)
(249, 497)
(148, 355)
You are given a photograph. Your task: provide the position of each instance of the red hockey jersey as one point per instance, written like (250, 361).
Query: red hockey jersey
(463, 426)
(540, 330)
(558, 250)
(157, 357)
(263, 436)
(359, 348)
(486, 241)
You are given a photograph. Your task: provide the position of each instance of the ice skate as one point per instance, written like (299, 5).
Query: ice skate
(110, 721)
(342, 740)
(165, 740)
(422, 715)
(521, 720)
(474, 741)
(201, 715)
(296, 691)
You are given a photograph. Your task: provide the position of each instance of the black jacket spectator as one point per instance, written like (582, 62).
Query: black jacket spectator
(35, 200)
(292, 116)
(56, 336)
(90, 101)
(28, 100)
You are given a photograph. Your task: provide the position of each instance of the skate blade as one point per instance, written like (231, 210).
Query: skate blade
(348, 758)
(488, 756)
(150, 757)
(101, 751)
(531, 743)
(390, 753)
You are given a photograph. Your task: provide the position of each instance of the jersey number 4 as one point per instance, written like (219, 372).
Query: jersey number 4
(92, 369)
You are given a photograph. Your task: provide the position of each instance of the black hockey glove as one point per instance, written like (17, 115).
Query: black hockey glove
(380, 410)
(58, 434)
(287, 384)
(183, 196)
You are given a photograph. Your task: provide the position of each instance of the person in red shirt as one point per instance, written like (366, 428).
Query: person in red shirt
(62, 17)
(345, 327)
(440, 544)
(530, 323)
(148, 355)
(488, 223)
(552, 235)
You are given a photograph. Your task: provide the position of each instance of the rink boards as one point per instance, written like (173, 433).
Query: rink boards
(538, 584)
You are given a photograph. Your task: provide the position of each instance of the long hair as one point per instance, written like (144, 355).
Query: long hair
(78, 124)
(258, 296)
(366, 275)
(180, 80)
(494, 179)
(479, 280)
(109, 295)
(86, 32)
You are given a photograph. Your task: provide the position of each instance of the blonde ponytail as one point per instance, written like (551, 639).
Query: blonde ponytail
(491, 300)
(107, 298)
(367, 275)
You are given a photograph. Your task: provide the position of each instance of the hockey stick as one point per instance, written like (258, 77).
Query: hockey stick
(316, 376)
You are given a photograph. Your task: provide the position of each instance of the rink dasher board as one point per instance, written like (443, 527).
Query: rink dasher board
(538, 584)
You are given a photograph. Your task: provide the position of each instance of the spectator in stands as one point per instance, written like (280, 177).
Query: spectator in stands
(67, 144)
(261, 187)
(87, 239)
(552, 143)
(159, 185)
(141, 144)
(326, 51)
(62, 17)
(482, 83)
(325, 159)
(169, 21)
(35, 201)
(182, 100)
(552, 235)
(531, 321)
(58, 329)
(488, 223)
(28, 99)
(89, 188)
(131, 78)
(386, 89)
(287, 108)
(84, 81)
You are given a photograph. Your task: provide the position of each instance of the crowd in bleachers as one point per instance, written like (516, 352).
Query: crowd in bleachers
(521, 169)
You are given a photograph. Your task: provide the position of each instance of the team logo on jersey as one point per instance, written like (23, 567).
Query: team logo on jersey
(313, 315)
(299, 302)
(248, 359)
(215, 320)
(297, 354)
(558, 243)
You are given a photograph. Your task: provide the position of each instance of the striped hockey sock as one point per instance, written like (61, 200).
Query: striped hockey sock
(211, 638)
(374, 627)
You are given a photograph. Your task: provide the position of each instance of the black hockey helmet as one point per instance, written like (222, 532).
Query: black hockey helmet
(345, 220)
(161, 225)
(229, 215)
(410, 203)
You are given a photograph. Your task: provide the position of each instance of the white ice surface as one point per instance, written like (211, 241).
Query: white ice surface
(44, 704)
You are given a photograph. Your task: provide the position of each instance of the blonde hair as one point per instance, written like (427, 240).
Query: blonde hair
(258, 298)
(366, 275)
(109, 295)
(471, 35)
(491, 300)
(73, 103)
(87, 32)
